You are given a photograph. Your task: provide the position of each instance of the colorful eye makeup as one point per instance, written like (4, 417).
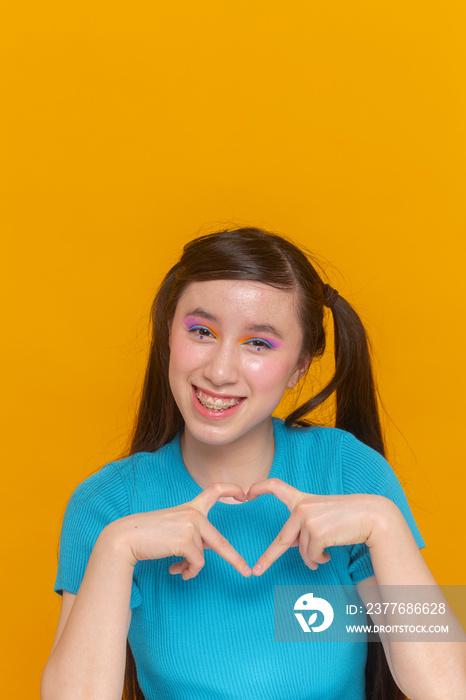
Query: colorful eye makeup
(195, 324)
(273, 344)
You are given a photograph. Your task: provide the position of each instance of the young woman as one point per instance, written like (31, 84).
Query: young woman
(178, 546)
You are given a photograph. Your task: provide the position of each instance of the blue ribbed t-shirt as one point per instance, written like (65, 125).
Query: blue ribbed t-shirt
(212, 637)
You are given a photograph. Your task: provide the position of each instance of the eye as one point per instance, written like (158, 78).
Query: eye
(259, 344)
(201, 332)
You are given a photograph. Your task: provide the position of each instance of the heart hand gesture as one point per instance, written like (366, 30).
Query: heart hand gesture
(207, 536)
(182, 531)
(317, 522)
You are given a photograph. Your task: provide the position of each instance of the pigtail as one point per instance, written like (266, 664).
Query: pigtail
(357, 408)
(353, 381)
(357, 412)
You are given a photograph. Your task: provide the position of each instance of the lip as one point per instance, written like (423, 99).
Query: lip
(214, 415)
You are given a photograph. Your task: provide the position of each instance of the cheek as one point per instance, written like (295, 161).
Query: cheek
(178, 353)
(185, 355)
(270, 375)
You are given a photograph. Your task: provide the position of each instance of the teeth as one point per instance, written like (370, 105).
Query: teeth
(215, 404)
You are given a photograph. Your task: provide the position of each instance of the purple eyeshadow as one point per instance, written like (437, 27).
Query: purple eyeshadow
(193, 321)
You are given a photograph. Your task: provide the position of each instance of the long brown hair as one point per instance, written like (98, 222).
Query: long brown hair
(255, 254)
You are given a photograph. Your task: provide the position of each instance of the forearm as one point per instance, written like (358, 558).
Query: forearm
(424, 670)
(89, 659)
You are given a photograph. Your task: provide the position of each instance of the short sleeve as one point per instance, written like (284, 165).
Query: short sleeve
(364, 470)
(98, 501)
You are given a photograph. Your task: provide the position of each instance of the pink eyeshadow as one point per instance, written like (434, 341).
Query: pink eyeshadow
(274, 343)
(192, 321)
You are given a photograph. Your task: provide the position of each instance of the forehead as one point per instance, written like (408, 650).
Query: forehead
(242, 302)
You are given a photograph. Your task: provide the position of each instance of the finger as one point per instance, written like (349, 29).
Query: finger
(194, 564)
(283, 491)
(205, 500)
(191, 571)
(317, 554)
(191, 564)
(182, 567)
(281, 543)
(186, 568)
(178, 567)
(303, 547)
(212, 537)
(315, 550)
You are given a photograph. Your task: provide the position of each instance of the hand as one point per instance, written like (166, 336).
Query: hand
(181, 531)
(317, 522)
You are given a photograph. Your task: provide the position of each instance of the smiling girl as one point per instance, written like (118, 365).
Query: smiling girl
(169, 556)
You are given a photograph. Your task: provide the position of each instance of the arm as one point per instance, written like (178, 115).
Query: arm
(429, 670)
(89, 651)
(87, 660)
(424, 671)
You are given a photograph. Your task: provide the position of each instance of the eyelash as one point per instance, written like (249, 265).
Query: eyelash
(205, 331)
(265, 345)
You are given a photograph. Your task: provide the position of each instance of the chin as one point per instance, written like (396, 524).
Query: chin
(219, 434)
(213, 436)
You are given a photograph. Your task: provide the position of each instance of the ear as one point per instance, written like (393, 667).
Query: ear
(301, 369)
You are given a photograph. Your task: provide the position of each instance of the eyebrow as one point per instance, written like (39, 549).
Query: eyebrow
(256, 328)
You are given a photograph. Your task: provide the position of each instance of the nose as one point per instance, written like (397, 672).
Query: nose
(222, 365)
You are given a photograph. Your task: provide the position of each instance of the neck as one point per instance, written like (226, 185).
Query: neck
(244, 461)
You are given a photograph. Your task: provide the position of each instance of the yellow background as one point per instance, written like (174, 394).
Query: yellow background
(130, 126)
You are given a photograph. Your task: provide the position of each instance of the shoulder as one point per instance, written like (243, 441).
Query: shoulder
(330, 460)
(108, 482)
(310, 457)
(346, 462)
(106, 494)
(116, 487)
(320, 439)
(366, 470)
(333, 440)
(119, 475)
